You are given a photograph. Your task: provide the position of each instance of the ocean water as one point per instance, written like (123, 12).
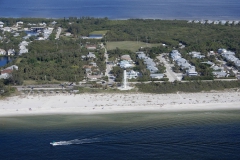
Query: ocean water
(123, 9)
(182, 135)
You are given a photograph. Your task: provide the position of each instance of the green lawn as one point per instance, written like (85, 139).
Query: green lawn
(102, 32)
(18, 60)
(129, 45)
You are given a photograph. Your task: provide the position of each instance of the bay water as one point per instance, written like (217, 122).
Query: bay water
(123, 9)
(4, 61)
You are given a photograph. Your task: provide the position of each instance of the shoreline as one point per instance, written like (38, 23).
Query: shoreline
(139, 18)
(93, 104)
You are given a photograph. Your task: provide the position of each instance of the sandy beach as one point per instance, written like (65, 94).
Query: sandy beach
(40, 104)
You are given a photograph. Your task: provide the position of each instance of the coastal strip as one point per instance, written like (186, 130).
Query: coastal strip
(105, 103)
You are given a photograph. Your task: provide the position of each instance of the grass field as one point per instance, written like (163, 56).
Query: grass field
(129, 45)
(18, 60)
(103, 32)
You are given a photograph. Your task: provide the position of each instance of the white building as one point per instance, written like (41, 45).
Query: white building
(132, 74)
(7, 29)
(91, 55)
(22, 47)
(202, 22)
(2, 52)
(157, 76)
(196, 55)
(1, 24)
(236, 22)
(11, 52)
(192, 71)
(209, 21)
(175, 55)
(125, 64)
(223, 22)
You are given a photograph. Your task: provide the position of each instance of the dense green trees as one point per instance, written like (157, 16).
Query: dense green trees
(196, 37)
(195, 86)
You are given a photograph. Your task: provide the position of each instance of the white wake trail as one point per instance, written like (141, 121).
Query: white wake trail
(75, 141)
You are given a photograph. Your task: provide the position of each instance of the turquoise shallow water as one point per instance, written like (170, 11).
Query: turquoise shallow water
(184, 135)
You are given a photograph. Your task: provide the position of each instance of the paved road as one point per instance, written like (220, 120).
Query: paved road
(108, 69)
(171, 76)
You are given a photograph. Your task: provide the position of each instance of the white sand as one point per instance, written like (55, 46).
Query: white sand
(116, 103)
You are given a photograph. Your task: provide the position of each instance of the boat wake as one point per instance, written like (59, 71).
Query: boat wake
(75, 142)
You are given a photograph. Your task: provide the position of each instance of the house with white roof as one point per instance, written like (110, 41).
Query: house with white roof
(230, 56)
(196, 55)
(175, 55)
(157, 76)
(141, 55)
(6, 29)
(183, 63)
(236, 22)
(132, 74)
(11, 52)
(191, 71)
(209, 63)
(2, 52)
(202, 22)
(151, 65)
(91, 55)
(5, 73)
(209, 21)
(22, 47)
(220, 74)
(125, 64)
(54, 22)
(223, 22)
(1, 24)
